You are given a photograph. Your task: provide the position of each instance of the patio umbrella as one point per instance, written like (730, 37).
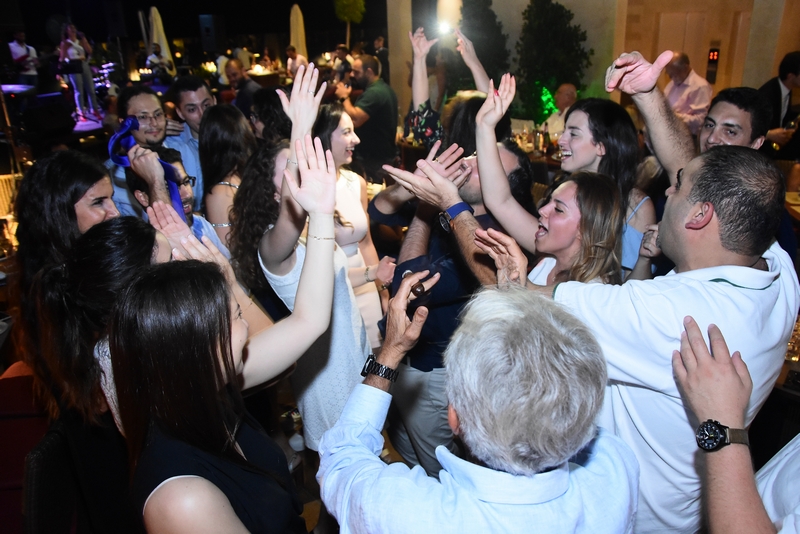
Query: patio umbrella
(157, 35)
(297, 31)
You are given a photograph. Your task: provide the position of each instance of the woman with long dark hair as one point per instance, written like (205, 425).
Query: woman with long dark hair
(600, 137)
(60, 198)
(226, 143)
(177, 341)
(367, 273)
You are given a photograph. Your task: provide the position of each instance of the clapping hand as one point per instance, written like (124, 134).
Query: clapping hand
(714, 384)
(432, 188)
(497, 102)
(466, 49)
(633, 74)
(166, 220)
(449, 164)
(316, 192)
(511, 263)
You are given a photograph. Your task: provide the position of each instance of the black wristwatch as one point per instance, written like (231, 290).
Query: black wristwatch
(446, 217)
(712, 436)
(377, 369)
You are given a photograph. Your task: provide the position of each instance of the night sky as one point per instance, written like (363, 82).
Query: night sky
(180, 17)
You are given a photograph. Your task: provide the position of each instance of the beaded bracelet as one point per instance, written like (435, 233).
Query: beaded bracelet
(321, 238)
(366, 275)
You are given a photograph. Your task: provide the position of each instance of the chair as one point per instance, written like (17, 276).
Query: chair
(50, 488)
(22, 425)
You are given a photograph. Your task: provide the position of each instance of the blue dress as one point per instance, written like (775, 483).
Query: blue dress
(631, 240)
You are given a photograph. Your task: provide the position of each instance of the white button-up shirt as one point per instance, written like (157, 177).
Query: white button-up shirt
(595, 492)
(690, 100)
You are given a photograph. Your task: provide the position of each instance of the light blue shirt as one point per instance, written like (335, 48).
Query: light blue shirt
(201, 227)
(189, 147)
(124, 199)
(595, 492)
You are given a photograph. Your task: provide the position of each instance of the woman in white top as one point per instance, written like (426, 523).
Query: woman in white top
(367, 274)
(76, 49)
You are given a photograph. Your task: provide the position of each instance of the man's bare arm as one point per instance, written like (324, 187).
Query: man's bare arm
(481, 265)
(418, 235)
(671, 139)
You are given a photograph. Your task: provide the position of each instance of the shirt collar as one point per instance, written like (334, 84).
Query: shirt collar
(489, 485)
(744, 277)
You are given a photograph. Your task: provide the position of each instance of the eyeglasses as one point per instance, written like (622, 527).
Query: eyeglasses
(253, 118)
(190, 181)
(158, 116)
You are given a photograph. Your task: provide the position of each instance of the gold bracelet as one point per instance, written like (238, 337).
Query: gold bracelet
(322, 238)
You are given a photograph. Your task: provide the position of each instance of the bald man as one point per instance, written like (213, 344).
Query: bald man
(688, 94)
(566, 95)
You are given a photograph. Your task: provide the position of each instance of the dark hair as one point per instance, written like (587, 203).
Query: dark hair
(520, 180)
(790, 64)
(342, 47)
(327, 121)
(748, 193)
(269, 110)
(458, 121)
(611, 125)
(185, 84)
(226, 142)
(254, 209)
(129, 93)
(171, 353)
(370, 62)
(291, 48)
(134, 182)
(64, 28)
(749, 100)
(74, 301)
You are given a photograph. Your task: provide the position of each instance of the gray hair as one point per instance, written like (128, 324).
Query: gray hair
(526, 379)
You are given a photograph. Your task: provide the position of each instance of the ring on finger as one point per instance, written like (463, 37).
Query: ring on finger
(418, 289)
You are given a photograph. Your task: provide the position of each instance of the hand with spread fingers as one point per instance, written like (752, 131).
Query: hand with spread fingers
(402, 333)
(174, 127)
(714, 384)
(449, 163)
(466, 49)
(420, 44)
(316, 192)
(303, 105)
(432, 188)
(633, 74)
(497, 102)
(166, 220)
(511, 262)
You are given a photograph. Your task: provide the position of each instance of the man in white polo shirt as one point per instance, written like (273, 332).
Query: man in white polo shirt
(718, 226)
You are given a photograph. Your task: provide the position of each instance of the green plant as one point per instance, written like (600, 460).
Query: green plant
(551, 52)
(480, 25)
(349, 11)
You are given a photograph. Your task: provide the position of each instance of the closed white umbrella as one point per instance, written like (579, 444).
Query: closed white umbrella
(297, 31)
(157, 35)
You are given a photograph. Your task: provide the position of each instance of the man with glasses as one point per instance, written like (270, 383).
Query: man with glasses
(192, 98)
(141, 191)
(144, 104)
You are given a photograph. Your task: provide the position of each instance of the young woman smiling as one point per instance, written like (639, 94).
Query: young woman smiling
(367, 274)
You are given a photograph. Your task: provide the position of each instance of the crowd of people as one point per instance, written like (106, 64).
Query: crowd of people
(581, 395)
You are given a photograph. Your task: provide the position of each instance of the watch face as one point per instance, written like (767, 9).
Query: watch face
(444, 220)
(709, 436)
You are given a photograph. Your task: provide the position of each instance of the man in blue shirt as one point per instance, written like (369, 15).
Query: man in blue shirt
(192, 98)
(141, 190)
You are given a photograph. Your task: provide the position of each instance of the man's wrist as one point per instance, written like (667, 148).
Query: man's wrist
(390, 357)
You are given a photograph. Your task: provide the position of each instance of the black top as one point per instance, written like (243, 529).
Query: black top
(259, 501)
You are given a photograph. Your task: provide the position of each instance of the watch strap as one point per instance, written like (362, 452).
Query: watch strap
(454, 210)
(737, 435)
(374, 368)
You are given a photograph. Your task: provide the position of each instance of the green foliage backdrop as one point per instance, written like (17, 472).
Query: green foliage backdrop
(480, 25)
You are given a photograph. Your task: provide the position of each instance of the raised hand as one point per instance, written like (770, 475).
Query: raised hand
(303, 106)
(316, 192)
(401, 333)
(449, 164)
(144, 162)
(511, 263)
(715, 384)
(420, 44)
(466, 49)
(497, 102)
(432, 188)
(385, 271)
(632, 73)
(166, 220)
